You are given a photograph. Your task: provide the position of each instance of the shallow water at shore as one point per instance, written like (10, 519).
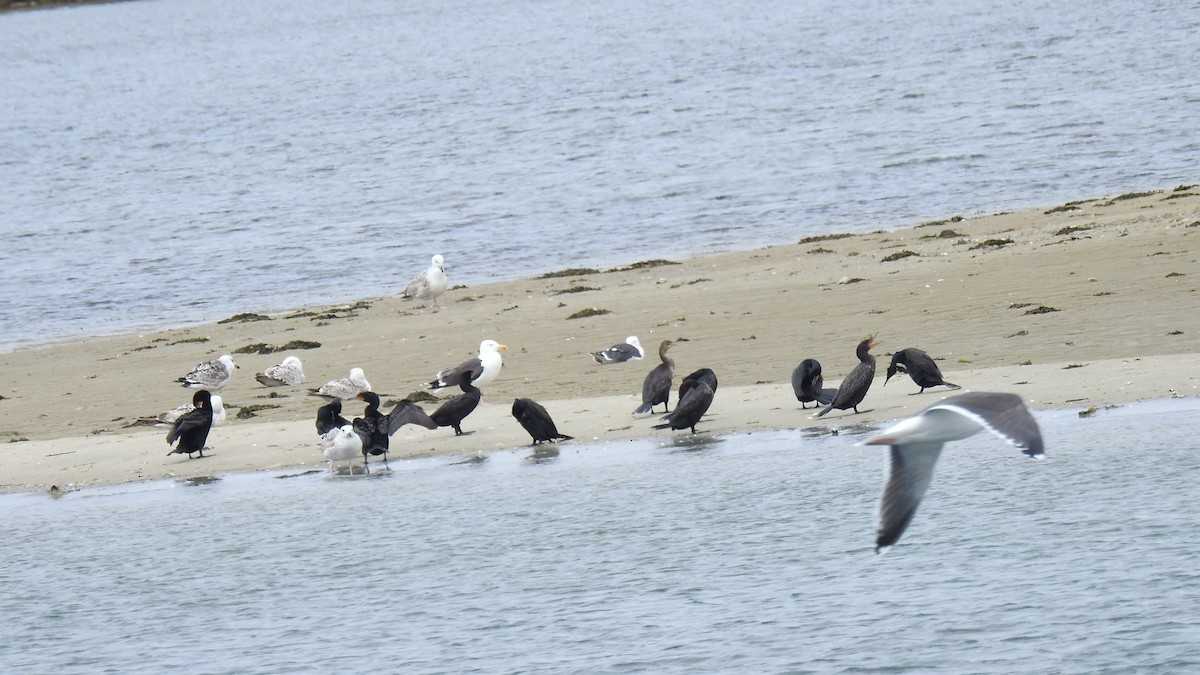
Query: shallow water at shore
(748, 553)
(224, 157)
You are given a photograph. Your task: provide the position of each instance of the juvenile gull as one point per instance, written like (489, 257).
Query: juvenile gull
(428, 285)
(631, 350)
(191, 429)
(167, 418)
(343, 388)
(656, 388)
(486, 366)
(854, 388)
(923, 371)
(807, 383)
(289, 372)
(917, 442)
(211, 375)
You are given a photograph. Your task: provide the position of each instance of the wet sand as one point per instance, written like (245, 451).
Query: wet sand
(1087, 304)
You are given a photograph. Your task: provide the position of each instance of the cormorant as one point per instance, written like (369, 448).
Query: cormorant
(191, 429)
(807, 382)
(919, 367)
(452, 412)
(375, 428)
(854, 388)
(656, 388)
(534, 418)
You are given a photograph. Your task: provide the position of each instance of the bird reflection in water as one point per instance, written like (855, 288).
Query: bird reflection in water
(543, 454)
(694, 443)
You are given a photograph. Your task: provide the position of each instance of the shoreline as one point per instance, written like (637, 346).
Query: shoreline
(1097, 296)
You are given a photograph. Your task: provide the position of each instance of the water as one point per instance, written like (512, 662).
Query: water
(174, 162)
(748, 553)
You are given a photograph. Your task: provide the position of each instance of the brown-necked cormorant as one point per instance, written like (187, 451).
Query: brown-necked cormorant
(656, 388)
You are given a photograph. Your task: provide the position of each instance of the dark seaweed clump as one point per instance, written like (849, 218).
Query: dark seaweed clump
(591, 311)
(993, 243)
(898, 255)
(570, 272)
(245, 318)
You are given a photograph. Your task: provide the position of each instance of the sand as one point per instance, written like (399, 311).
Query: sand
(1089, 304)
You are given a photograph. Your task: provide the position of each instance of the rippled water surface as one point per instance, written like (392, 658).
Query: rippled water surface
(725, 554)
(170, 162)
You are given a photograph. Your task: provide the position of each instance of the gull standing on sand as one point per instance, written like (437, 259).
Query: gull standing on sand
(923, 371)
(191, 429)
(631, 350)
(854, 388)
(342, 444)
(486, 366)
(917, 442)
(218, 407)
(289, 372)
(428, 285)
(169, 417)
(211, 375)
(343, 388)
